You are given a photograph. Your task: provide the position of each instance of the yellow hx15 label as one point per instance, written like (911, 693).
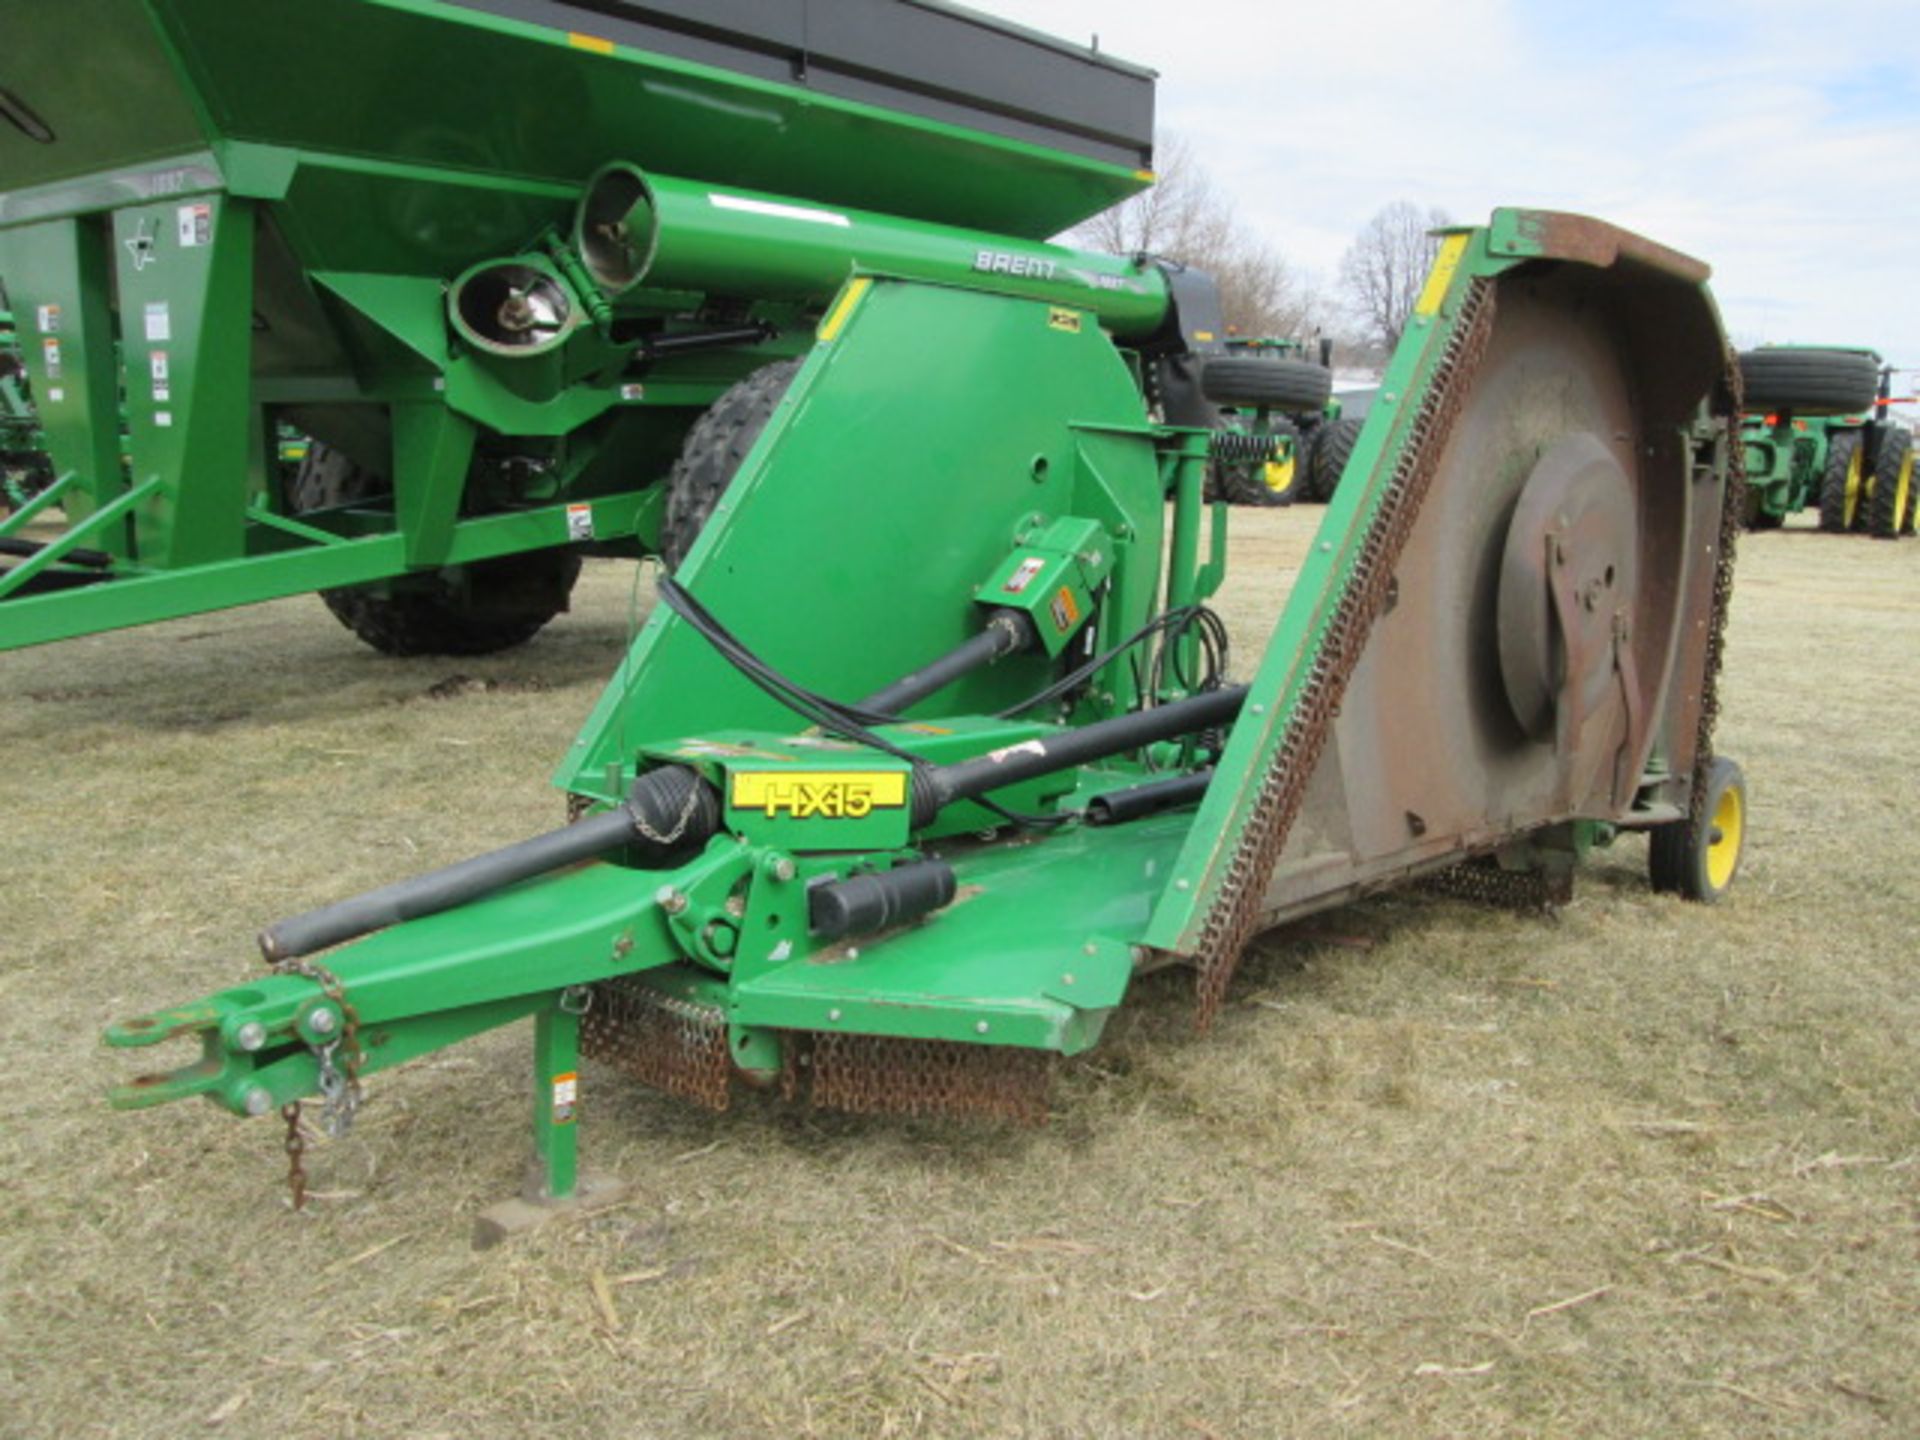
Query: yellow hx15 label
(823, 794)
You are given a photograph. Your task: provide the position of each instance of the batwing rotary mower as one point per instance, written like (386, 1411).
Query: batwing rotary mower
(929, 746)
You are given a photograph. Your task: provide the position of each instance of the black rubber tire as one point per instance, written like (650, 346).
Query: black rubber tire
(1809, 380)
(713, 450)
(1841, 450)
(1330, 456)
(1251, 484)
(1271, 384)
(475, 609)
(1685, 857)
(1890, 506)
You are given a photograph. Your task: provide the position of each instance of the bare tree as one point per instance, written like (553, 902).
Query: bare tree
(1184, 217)
(1386, 265)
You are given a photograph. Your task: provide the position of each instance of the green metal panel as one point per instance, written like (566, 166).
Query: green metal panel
(185, 271)
(946, 474)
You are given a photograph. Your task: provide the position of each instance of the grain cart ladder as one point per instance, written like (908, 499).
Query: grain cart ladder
(907, 866)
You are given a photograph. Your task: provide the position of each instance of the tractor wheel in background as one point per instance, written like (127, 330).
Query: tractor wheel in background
(471, 609)
(1330, 456)
(1277, 482)
(1275, 384)
(1698, 858)
(1841, 484)
(714, 448)
(1809, 380)
(1889, 504)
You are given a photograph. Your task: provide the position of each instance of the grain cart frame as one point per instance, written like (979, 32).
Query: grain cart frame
(904, 867)
(323, 214)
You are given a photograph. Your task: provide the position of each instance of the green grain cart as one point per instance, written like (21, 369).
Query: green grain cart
(931, 744)
(1818, 433)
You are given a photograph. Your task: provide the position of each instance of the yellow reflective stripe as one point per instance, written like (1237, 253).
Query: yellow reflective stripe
(589, 42)
(836, 320)
(1441, 276)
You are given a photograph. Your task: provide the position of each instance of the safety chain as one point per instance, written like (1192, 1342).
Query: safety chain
(339, 1083)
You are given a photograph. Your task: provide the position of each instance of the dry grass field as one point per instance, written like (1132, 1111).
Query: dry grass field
(1643, 1169)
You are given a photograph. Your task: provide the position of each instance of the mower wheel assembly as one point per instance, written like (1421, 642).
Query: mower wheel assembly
(1698, 857)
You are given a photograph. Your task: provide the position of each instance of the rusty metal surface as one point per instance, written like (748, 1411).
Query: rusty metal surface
(884, 1075)
(1484, 881)
(1419, 758)
(1561, 235)
(661, 1041)
(1237, 909)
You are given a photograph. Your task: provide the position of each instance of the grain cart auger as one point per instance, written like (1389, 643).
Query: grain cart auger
(926, 753)
(495, 256)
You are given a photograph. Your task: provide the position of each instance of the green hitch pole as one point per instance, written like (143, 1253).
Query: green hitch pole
(556, 1099)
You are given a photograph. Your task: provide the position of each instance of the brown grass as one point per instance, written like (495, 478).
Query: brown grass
(1646, 1169)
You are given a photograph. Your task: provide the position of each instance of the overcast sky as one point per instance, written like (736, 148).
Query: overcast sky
(1779, 140)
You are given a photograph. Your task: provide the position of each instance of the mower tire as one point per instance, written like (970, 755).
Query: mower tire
(1276, 384)
(1809, 381)
(714, 448)
(1698, 857)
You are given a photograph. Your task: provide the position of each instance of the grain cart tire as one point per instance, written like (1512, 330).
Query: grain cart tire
(1330, 456)
(714, 448)
(1269, 384)
(1278, 482)
(1698, 857)
(1841, 484)
(1809, 381)
(1890, 504)
(473, 609)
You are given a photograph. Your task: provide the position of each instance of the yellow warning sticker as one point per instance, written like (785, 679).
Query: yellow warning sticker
(1441, 276)
(849, 298)
(1063, 319)
(589, 42)
(823, 795)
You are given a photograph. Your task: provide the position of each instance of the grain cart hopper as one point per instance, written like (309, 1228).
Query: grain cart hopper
(1818, 432)
(904, 866)
(495, 257)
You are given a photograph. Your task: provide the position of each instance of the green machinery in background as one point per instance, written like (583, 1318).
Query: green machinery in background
(906, 867)
(1275, 406)
(25, 468)
(1818, 432)
(495, 257)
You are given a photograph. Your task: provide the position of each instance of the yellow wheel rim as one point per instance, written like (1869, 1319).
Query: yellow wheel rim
(1278, 475)
(1723, 844)
(1853, 486)
(1903, 494)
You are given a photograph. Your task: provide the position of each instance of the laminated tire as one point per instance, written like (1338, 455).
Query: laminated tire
(1810, 380)
(1330, 456)
(473, 609)
(713, 450)
(1889, 503)
(1698, 858)
(1277, 482)
(1275, 384)
(1842, 484)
